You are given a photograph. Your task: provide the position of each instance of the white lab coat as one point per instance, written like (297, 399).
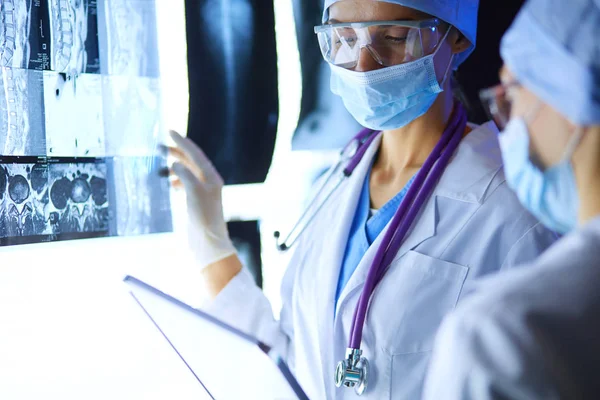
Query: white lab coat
(472, 225)
(531, 333)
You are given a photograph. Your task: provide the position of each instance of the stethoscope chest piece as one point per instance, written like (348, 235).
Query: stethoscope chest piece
(353, 372)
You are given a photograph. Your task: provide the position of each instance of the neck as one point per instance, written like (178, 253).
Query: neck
(586, 164)
(408, 147)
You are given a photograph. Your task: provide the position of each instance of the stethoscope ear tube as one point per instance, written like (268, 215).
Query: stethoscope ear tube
(300, 226)
(362, 141)
(352, 153)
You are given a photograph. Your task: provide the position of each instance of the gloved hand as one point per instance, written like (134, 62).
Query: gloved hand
(207, 232)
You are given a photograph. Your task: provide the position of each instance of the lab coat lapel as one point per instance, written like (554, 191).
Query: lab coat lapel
(422, 229)
(336, 218)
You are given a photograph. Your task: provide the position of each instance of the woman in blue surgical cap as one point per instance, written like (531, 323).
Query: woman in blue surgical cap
(391, 63)
(534, 333)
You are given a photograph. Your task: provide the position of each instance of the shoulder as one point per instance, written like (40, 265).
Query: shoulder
(486, 356)
(474, 166)
(571, 267)
(476, 173)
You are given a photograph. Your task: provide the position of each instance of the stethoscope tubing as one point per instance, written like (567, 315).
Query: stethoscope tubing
(362, 141)
(290, 239)
(364, 138)
(405, 216)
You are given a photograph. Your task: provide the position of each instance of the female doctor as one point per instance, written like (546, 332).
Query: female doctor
(421, 210)
(534, 332)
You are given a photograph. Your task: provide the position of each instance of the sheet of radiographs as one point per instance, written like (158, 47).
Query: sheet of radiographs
(79, 121)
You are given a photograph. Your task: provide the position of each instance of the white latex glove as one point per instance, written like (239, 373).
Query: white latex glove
(207, 232)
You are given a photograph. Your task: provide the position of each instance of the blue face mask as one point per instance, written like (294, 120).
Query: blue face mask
(550, 195)
(391, 97)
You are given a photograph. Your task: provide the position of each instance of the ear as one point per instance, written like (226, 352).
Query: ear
(458, 41)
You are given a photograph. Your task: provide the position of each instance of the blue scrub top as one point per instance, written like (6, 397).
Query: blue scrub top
(365, 229)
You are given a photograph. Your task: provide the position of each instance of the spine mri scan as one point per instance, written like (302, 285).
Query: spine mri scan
(79, 121)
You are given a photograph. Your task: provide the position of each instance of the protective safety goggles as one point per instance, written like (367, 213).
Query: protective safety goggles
(389, 42)
(497, 102)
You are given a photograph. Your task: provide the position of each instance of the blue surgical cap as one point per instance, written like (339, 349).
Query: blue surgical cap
(553, 49)
(462, 14)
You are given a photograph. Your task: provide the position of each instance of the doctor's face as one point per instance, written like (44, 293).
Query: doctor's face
(549, 131)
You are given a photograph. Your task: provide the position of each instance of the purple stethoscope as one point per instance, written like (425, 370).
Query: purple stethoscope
(353, 371)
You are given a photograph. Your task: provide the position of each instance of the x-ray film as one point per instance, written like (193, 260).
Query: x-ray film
(57, 35)
(78, 197)
(73, 115)
(80, 121)
(59, 199)
(22, 210)
(132, 115)
(141, 197)
(131, 48)
(22, 127)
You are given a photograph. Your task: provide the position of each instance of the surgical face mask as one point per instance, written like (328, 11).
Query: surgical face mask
(391, 97)
(550, 195)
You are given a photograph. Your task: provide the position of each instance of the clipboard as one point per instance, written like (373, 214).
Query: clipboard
(228, 363)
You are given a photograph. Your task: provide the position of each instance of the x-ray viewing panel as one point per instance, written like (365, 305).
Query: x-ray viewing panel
(80, 121)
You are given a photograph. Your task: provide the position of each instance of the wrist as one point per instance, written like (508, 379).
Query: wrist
(210, 248)
(219, 273)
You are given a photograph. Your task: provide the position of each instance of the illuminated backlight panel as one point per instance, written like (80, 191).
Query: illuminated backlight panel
(80, 121)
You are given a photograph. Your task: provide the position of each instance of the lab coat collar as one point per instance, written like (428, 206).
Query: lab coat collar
(477, 160)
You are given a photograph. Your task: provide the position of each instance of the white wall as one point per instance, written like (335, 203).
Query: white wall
(69, 330)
